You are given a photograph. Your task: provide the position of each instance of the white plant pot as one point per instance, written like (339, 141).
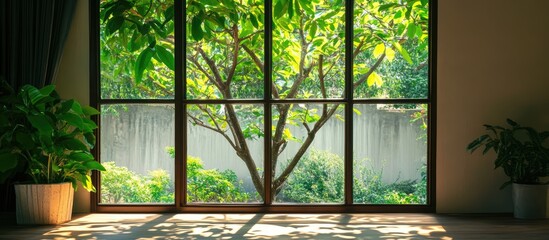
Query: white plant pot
(530, 201)
(39, 204)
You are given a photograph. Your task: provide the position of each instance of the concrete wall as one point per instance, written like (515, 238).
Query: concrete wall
(136, 136)
(492, 57)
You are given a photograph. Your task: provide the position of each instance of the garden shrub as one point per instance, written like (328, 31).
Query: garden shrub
(121, 185)
(317, 178)
(212, 185)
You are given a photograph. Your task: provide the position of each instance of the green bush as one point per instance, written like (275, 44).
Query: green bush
(317, 178)
(120, 185)
(212, 185)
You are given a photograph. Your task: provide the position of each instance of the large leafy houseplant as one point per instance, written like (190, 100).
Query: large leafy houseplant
(522, 152)
(45, 137)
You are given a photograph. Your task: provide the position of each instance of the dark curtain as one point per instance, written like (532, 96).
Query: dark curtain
(32, 36)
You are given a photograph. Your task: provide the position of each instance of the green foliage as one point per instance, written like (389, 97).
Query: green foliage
(319, 178)
(120, 185)
(212, 185)
(46, 137)
(369, 188)
(522, 152)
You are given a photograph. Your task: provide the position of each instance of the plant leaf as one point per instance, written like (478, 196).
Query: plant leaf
(196, 28)
(141, 64)
(165, 57)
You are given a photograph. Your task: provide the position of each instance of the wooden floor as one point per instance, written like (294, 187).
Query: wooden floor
(283, 226)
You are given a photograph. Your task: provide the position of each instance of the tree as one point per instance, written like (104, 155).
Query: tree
(225, 60)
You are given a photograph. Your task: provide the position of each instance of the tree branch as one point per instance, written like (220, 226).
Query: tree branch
(244, 152)
(218, 81)
(236, 49)
(321, 75)
(372, 69)
(278, 182)
(261, 66)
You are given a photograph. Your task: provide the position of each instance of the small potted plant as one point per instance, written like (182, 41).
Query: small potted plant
(523, 153)
(47, 139)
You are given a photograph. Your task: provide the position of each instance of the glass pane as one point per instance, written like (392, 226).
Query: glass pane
(136, 49)
(308, 149)
(391, 49)
(136, 143)
(308, 49)
(390, 154)
(225, 153)
(225, 49)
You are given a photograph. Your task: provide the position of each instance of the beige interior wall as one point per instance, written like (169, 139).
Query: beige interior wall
(73, 77)
(492, 65)
(492, 58)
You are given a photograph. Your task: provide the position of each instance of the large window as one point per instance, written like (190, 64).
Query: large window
(266, 106)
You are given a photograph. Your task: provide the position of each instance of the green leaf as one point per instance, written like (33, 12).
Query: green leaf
(280, 8)
(141, 64)
(77, 108)
(159, 29)
(229, 3)
(312, 30)
(290, 9)
(72, 144)
(168, 14)
(94, 165)
(72, 119)
(47, 90)
(32, 93)
(8, 161)
(307, 6)
(196, 28)
(66, 106)
(25, 140)
(114, 24)
(165, 57)
(210, 2)
(411, 30)
(41, 123)
(81, 156)
(89, 111)
(91, 124)
(90, 138)
(403, 52)
(253, 20)
(379, 49)
(386, 6)
(136, 42)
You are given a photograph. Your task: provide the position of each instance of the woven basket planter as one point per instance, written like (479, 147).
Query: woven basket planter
(41, 204)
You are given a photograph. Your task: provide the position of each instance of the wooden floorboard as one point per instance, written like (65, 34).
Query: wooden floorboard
(282, 226)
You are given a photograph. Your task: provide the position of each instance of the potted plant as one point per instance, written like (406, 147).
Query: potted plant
(48, 140)
(523, 154)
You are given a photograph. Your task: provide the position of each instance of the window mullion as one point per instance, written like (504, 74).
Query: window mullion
(349, 102)
(180, 105)
(268, 47)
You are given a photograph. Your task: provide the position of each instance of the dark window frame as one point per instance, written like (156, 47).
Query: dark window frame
(181, 103)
